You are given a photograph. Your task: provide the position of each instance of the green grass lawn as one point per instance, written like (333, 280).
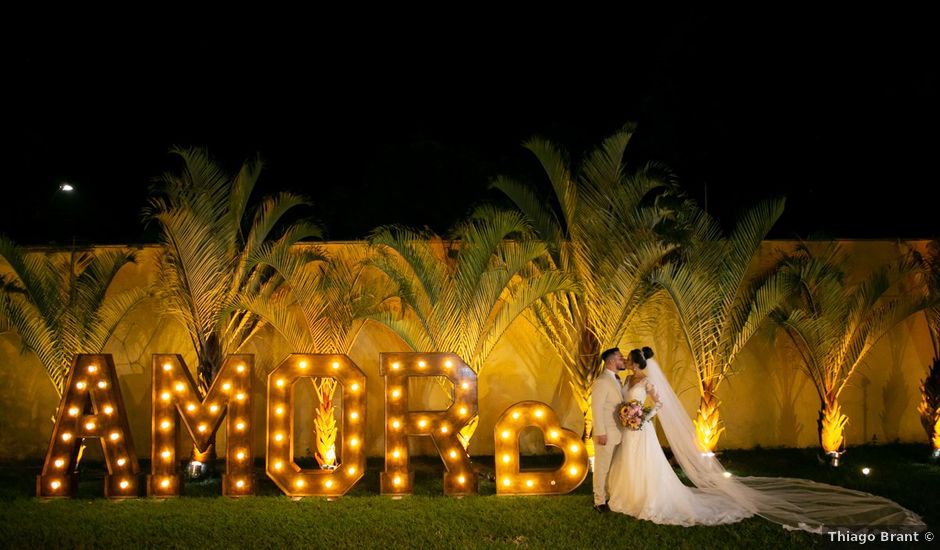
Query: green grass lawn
(364, 518)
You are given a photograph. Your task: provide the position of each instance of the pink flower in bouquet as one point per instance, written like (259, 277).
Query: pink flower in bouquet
(631, 415)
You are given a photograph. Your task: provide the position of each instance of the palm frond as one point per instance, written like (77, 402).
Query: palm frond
(220, 255)
(535, 289)
(59, 304)
(555, 163)
(543, 220)
(606, 242)
(416, 253)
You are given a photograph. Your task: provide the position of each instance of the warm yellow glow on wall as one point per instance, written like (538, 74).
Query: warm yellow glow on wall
(92, 385)
(292, 479)
(442, 426)
(175, 396)
(510, 480)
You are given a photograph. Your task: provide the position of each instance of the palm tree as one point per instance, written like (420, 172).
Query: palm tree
(834, 325)
(320, 308)
(212, 245)
(59, 304)
(929, 407)
(462, 295)
(598, 230)
(719, 303)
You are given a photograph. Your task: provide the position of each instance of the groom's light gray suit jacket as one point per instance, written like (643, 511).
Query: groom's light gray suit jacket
(605, 396)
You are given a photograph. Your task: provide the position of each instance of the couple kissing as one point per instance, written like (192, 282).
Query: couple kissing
(632, 475)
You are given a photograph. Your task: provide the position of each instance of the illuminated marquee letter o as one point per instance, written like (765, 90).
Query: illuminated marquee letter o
(280, 465)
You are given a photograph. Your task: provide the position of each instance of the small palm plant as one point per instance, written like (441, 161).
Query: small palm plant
(834, 325)
(720, 302)
(929, 407)
(211, 263)
(461, 295)
(59, 303)
(598, 229)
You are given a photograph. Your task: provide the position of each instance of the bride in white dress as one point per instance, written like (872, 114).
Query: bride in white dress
(643, 484)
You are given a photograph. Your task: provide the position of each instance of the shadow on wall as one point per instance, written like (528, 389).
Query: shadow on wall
(788, 383)
(521, 369)
(133, 346)
(28, 402)
(896, 395)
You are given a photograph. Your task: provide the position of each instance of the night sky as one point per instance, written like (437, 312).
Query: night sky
(407, 125)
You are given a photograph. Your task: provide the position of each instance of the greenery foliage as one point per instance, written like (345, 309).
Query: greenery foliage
(599, 230)
(461, 295)
(834, 324)
(59, 305)
(720, 301)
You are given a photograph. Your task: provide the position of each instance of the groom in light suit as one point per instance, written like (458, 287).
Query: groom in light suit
(605, 397)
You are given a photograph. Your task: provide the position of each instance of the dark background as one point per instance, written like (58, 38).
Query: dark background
(392, 123)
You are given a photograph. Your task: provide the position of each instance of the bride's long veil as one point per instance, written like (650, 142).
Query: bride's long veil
(793, 503)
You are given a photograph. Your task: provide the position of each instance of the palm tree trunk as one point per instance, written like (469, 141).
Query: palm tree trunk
(588, 428)
(929, 407)
(589, 348)
(325, 425)
(202, 463)
(936, 436)
(708, 420)
(832, 426)
(466, 433)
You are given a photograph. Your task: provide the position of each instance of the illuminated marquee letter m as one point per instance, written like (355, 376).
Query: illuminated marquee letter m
(174, 391)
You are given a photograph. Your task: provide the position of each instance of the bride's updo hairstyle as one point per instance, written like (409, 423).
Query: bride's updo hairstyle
(637, 357)
(647, 352)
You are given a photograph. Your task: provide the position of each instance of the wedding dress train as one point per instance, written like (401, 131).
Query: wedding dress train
(643, 484)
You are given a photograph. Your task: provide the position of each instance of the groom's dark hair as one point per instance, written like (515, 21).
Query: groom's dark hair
(608, 352)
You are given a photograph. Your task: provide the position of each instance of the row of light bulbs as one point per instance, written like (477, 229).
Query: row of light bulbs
(398, 480)
(90, 380)
(295, 481)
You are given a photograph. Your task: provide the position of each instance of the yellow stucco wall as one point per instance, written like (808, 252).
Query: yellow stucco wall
(768, 402)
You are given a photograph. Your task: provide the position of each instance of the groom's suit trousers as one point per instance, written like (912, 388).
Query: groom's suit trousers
(605, 397)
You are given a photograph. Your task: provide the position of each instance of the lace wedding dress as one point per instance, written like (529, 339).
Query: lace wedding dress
(643, 484)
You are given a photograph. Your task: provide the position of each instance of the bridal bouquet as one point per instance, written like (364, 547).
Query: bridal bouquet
(632, 414)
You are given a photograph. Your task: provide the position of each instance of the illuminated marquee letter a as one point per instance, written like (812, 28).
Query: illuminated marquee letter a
(91, 406)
